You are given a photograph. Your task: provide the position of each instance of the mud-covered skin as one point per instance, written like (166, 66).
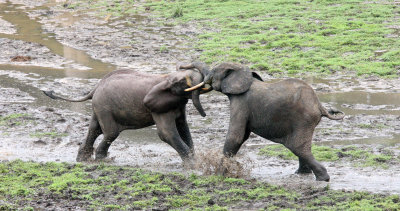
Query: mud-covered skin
(285, 112)
(126, 99)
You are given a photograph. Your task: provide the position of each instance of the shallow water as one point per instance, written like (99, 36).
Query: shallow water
(30, 30)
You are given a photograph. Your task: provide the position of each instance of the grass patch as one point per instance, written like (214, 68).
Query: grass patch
(294, 36)
(363, 157)
(52, 134)
(12, 119)
(321, 153)
(24, 185)
(282, 36)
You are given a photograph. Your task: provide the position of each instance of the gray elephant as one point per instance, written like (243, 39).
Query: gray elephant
(125, 99)
(285, 112)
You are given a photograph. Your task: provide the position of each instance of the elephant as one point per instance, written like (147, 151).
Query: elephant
(126, 99)
(284, 112)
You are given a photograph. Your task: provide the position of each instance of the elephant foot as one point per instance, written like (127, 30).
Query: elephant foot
(223, 167)
(189, 162)
(100, 156)
(325, 178)
(304, 170)
(84, 155)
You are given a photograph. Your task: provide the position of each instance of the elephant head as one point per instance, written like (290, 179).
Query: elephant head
(229, 78)
(170, 93)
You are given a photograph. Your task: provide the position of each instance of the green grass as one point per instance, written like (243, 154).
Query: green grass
(52, 134)
(282, 36)
(294, 36)
(15, 119)
(363, 157)
(101, 186)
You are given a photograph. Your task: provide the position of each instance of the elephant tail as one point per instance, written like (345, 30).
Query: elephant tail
(333, 114)
(52, 96)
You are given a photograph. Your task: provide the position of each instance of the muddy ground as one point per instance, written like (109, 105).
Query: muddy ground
(69, 52)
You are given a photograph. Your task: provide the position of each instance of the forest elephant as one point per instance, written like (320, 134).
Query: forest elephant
(284, 112)
(126, 99)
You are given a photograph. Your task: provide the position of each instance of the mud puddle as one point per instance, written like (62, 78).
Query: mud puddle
(48, 130)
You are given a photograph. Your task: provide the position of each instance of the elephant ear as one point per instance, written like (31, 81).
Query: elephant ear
(236, 81)
(162, 98)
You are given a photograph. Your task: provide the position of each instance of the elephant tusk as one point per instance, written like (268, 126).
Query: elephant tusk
(188, 81)
(206, 89)
(188, 66)
(194, 87)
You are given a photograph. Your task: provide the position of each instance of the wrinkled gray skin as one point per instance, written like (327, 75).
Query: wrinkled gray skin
(125, 99)
(285, 112)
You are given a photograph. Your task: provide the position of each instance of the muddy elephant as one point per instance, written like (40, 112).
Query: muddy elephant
(126, 99)
(285, 112)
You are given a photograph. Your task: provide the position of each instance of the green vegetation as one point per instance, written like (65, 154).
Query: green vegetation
(324, 153)
(24, 184)
(283, 36)
(12, 119)
(163, 49)
(295, 36)
(52, 134)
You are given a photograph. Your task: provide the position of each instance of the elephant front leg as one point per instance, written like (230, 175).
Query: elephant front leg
(184, 132)
(169, 134)
(238, 132)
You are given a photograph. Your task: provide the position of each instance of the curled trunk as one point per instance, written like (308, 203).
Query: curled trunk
(201, 66)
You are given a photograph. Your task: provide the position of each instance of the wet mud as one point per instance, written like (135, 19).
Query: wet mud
(70, 53)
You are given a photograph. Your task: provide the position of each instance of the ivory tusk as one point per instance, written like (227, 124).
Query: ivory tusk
(183, 67)
(188, 81)
(194, 87)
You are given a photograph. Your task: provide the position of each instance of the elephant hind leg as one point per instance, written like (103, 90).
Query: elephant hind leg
(102, 149)
(111, 131)
(300, 145)
(86, 149)
(303, 167)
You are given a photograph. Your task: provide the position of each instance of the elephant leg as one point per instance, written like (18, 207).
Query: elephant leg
(238, 133)
(102, 149)
(184, 132)
(303, 167)
(86, 149)
(111, 131)
(169, 134)
(300, 145)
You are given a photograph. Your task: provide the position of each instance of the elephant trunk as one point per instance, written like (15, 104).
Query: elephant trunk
(196, 102)
(201, 66)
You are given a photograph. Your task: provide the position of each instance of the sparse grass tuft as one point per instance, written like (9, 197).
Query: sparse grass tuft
(12, 119)
(52, 134)
(178, 12)
(324, 153)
